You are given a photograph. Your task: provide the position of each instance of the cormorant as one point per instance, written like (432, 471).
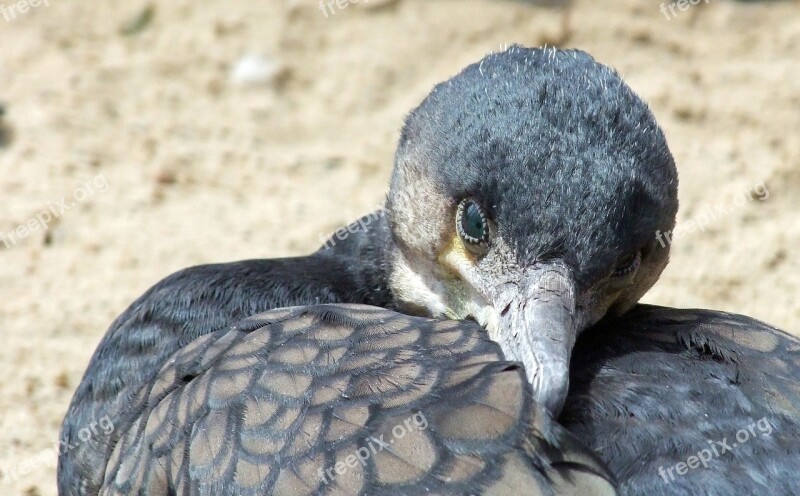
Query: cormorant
(526, 195)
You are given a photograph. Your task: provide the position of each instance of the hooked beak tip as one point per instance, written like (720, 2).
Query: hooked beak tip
(538, 328)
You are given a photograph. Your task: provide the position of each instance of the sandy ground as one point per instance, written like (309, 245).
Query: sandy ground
(160, 160)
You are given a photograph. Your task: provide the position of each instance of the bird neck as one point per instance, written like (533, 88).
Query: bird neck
(367, 248)
(378, 273)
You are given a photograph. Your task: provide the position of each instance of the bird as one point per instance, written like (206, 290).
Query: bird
(526, 195)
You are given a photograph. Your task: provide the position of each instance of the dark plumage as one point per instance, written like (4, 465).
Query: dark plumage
(568, 137)
(192, 303)
(661, 385)
(569, 179)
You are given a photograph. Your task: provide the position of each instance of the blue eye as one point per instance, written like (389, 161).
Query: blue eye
(627, 264)
(471, 223)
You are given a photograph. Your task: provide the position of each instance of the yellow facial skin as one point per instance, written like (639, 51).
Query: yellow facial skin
(458, 262)
(455, 255)
(435, 287)
(445, 286)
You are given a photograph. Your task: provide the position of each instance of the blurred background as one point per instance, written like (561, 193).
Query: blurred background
(140, 138)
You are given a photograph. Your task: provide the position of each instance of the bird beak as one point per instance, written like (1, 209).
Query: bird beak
(537, 326)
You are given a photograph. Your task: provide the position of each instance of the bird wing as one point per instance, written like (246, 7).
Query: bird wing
(344, 399)
(662, 385)
(184, 306)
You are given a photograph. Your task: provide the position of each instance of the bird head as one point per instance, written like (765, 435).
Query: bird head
(527, 194)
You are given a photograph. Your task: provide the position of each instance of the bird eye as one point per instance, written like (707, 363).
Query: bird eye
(627, 264)
(471, 223)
